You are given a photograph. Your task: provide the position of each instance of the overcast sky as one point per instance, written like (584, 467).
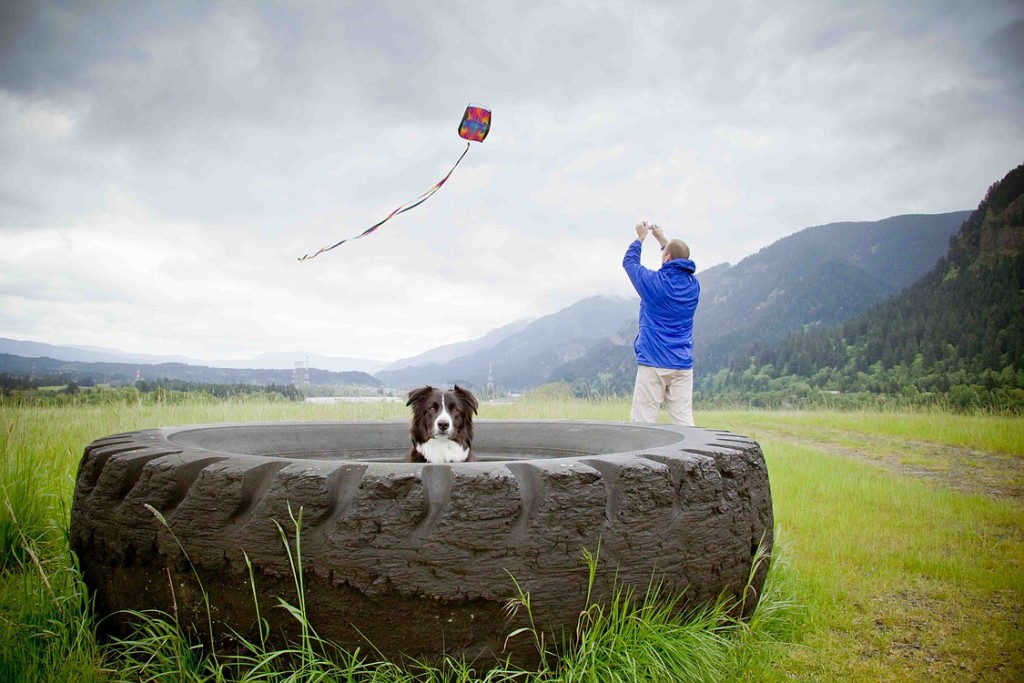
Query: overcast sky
(164, 164)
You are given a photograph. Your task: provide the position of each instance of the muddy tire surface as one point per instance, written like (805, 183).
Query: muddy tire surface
(411, 560)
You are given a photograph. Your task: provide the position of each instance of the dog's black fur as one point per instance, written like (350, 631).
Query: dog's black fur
(432, 432)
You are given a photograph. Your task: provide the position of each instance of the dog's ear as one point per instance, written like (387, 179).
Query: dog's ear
(417, 395)
(465, 396)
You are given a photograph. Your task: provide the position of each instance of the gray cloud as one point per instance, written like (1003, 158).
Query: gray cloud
(264, 130)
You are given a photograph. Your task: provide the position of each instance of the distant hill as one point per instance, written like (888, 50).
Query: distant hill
(528, 357)
(958, 332)
(449, 352)
(819, 276)
(264, 361)
(126, 373)
(85, 354)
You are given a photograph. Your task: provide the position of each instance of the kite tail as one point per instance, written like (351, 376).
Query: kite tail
(401, 209)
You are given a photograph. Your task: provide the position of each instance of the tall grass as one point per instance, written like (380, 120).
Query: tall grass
(30, 503)
(880, 577)
(46, 625)
(645, 637)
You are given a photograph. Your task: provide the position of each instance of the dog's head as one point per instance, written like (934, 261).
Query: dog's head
(444, 414)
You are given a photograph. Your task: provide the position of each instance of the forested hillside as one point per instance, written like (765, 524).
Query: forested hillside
(956, 335)
(823, 275)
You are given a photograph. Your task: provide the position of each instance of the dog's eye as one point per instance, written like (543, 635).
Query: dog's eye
(435, 406)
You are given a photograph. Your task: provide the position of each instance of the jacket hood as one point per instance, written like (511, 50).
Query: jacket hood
(681, 263)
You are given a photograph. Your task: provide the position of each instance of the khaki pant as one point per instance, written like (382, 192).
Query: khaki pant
(657, 385)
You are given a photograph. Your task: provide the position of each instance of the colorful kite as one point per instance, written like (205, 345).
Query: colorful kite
(476, 122)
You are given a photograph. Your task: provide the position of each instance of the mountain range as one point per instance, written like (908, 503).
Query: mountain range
(263, 361)
(821, 275)
(956, 333)
(52, 371)
(529, 357)
(449, 352)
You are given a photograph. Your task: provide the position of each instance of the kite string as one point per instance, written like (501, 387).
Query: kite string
(401, 209)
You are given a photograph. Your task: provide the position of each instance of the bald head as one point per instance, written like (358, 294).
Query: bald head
(677, 249)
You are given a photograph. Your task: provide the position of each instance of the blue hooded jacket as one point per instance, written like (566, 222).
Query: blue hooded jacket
(668, 300)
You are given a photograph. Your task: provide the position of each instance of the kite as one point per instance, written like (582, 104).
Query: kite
(475, 124)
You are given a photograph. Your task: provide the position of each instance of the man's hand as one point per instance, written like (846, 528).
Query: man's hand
(659, 235)
(641, 231)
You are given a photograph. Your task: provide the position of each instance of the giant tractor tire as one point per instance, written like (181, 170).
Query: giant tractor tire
(414, 561)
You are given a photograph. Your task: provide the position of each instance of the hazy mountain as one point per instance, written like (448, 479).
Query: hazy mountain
(85, 354)
(449, 352)
(265, 361)
(820, 275)
(525, 358)
(125, 373)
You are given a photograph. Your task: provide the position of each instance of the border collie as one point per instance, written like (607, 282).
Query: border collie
(442, 425)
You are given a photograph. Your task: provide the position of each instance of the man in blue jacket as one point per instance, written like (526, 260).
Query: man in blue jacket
(664, 346)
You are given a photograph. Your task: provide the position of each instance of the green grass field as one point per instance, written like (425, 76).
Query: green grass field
(899, 556)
